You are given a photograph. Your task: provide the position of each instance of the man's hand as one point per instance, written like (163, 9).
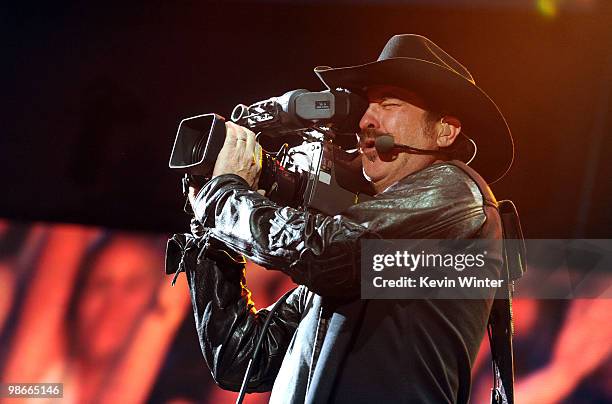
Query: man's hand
(240, 155)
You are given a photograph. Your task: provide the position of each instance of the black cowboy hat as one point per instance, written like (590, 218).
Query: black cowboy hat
(416, 63)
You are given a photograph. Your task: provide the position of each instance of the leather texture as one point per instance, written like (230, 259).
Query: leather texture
(321, 254)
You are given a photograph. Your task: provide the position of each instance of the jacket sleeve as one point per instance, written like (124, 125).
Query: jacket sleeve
(318, 251)
(323, 252)
(227, 323)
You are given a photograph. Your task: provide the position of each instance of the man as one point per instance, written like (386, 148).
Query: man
(325, 344)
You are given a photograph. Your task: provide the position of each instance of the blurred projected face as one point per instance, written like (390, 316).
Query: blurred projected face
(120, 287)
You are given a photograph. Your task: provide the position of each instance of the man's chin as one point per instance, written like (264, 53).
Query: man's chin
(373, 174)
(387, 157)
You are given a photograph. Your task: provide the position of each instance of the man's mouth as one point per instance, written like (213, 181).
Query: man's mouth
(367, 138)
(368, 148)
(369, 144)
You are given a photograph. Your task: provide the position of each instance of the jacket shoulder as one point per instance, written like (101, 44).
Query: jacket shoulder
(482, 185)
(440, 201)
(449, 181)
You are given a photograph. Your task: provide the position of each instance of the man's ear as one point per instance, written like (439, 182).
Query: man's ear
(449, 129)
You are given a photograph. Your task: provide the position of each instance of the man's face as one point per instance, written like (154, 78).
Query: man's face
(401, 114)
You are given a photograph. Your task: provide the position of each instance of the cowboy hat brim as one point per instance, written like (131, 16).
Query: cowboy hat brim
(445, 91)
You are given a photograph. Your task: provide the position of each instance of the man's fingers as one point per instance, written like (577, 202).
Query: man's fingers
(250, 140)
(231, 134)
(246, 145)
(236, 133)
(251, 151)
(240, 154)
(258, 156)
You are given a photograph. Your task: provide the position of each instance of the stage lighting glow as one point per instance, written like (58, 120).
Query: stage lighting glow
(547, 8)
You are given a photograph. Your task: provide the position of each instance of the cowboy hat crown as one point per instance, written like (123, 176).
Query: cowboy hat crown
(416, 63)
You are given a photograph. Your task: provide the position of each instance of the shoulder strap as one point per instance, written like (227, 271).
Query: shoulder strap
(500, 327)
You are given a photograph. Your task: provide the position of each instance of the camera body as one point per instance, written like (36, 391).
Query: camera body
(311, 169)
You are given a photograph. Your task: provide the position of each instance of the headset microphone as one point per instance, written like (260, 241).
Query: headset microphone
(386, 144)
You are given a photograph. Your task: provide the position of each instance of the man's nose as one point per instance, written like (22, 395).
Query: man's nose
(369, 120)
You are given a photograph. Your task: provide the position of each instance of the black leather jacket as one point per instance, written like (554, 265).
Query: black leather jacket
(312, 351)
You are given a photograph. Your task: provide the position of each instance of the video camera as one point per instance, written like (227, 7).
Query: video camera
(313, 168)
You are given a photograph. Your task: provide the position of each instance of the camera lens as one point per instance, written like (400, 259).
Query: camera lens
(198, 150)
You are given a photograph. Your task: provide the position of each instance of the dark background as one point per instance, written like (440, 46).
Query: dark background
(93, 93)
